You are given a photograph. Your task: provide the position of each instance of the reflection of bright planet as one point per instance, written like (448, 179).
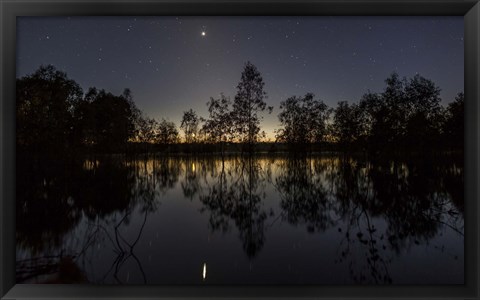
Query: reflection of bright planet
(204, 271)
(203, 33)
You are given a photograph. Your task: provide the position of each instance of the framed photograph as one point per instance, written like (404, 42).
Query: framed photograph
(224, 149)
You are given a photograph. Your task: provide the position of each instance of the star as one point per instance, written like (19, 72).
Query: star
(204, 33)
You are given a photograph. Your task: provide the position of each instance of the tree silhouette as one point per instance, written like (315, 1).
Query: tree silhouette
(454, 124)
(303, 119)
(105, 121)
(376, 115)
(190, 125)
(134, 112)
(146, 131)
(422, 113)
(45, 101)
(219, 125)
(406, 116)
(386, 114)
(397, 105)
(248, 104)
(53, 116)
(348, 124)
(167, 132)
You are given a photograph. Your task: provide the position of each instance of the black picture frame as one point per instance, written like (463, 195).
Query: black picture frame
(10, 9)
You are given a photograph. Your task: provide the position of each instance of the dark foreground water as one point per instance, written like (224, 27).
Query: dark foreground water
(267, 220)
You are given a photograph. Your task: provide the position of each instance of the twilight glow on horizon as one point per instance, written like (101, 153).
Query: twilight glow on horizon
(172, 64)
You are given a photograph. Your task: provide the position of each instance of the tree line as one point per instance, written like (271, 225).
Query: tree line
(54, 115)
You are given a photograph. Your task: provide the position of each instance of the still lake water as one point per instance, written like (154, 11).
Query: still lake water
(267, 220)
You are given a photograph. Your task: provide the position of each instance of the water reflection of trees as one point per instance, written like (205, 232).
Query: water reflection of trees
(304, 197)
(191, 180)
(409, 196)
(236, 195)
(44, 209)
(415, 200)
(360, 247)
(54, 194)
(147, 187)
(166, 172)
(379, 208)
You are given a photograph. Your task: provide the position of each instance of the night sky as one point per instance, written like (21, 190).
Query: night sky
(172, 64)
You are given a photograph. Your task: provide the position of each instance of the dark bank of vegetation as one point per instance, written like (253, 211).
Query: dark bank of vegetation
(55, 116)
